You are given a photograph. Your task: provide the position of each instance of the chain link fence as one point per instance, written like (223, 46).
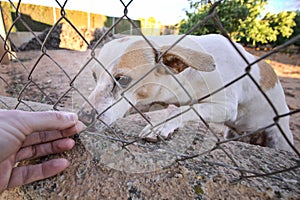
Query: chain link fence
(33, 73)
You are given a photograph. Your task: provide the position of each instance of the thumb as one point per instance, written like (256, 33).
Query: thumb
(50, 120)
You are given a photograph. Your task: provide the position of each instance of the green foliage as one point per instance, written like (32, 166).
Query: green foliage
(282, 22)
(296, 31)
(193, 19)
(242, 20)
(267, 29)
(297, 27)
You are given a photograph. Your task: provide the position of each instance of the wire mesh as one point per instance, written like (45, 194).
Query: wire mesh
(29, 86)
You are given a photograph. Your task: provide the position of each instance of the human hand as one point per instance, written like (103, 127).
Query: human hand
(28, 135)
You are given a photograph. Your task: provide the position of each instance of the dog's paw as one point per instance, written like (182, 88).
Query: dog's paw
(160, 132)
(148, 134)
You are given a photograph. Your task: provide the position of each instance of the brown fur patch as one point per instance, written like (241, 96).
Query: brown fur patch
(143, 92)
(141, 95)
(136, 55)
(268, 77)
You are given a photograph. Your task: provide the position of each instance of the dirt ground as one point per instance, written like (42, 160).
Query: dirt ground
(54, 79)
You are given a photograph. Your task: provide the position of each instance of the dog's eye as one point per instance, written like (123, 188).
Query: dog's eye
(123, 80)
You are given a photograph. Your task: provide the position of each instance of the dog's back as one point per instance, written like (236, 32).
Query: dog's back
(257, 108)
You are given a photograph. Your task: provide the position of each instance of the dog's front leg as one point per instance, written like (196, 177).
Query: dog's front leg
(177, 117)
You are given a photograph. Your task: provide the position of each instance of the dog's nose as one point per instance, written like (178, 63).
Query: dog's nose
(87, 116)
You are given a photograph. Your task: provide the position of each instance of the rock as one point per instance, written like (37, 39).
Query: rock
(52, 42)
(98, 33)
(213, 175)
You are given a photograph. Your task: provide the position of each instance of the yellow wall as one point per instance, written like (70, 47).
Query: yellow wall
(49, 15)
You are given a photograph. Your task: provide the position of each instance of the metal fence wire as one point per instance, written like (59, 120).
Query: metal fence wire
(29, 85)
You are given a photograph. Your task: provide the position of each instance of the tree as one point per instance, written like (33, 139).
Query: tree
(269, 28)
(242, 21)
(229, 19)
(296, 31)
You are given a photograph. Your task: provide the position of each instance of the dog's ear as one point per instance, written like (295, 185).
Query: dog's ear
(179, 58)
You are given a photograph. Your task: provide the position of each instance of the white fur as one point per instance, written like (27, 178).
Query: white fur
(241, 106)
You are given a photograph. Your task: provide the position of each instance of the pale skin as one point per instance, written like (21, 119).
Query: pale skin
(28, 135)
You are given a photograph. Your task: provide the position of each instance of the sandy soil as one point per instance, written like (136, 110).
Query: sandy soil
(54, 73)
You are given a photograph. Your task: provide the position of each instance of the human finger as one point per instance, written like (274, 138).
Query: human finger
(30, 122)
(6, 167)
(47, 136)
(30, 173)
(44, 149)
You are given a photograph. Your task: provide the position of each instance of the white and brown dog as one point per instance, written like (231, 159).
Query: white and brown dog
(201, 64)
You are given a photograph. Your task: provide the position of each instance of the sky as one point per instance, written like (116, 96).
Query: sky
(276, 6)
(166, 11)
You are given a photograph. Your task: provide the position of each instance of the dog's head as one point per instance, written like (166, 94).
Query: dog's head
(130, 72)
